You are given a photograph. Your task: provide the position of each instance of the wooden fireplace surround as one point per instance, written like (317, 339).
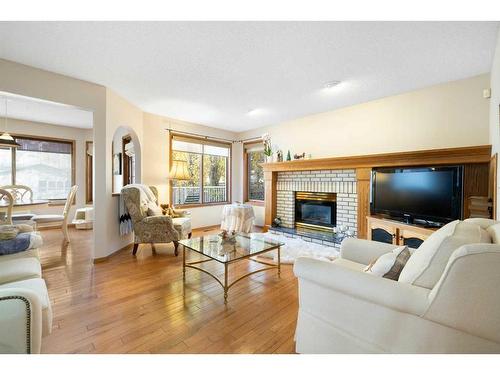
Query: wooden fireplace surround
(479, 173)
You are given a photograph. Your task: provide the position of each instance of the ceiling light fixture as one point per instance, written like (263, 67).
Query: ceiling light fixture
(255, 112)
(331, 84)
(6, 139)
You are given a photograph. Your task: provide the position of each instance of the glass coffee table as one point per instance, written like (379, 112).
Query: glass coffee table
(216, 249)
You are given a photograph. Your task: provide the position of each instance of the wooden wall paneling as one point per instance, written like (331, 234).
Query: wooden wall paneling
(270, 180)
(492, 185)
(363, 191)
(476, 182)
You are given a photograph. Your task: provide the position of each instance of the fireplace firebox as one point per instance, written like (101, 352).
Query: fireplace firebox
(315, 210)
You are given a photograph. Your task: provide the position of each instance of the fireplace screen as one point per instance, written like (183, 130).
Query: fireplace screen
(315, 210)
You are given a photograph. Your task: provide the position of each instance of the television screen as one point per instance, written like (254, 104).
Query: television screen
(426, 193)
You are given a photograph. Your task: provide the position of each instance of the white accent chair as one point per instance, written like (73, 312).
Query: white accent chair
(448, 302)
(25, 309)
(49, 219)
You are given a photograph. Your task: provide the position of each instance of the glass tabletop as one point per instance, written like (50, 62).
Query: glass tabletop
(223, 251)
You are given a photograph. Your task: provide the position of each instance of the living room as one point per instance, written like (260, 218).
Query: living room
(249, 187)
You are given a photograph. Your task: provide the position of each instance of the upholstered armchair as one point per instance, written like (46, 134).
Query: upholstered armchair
(149, 225)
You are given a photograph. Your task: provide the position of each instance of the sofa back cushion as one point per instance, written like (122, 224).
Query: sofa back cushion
(426, 265)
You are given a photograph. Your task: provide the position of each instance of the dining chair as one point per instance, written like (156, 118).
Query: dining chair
(20, 193)
(6, 204)
(63, 219)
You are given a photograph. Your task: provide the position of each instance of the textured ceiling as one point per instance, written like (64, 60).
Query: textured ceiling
(214, 73)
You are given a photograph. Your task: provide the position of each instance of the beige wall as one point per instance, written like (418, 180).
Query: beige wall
(156, 161)
(80, 136)
(121, 117)
(452, 114)
(37, 83)
(494, 110)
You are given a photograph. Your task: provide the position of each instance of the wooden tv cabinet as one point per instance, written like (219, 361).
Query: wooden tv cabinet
(396, 232)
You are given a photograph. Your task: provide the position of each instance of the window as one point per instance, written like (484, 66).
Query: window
(254, 174)
(208, 168)
(45, 165)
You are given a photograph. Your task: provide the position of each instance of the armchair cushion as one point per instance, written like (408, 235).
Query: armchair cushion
(182, 225)
(153, 209)
(426, 265)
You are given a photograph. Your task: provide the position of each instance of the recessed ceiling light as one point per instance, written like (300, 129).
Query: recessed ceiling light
(330, 84)
(255, 111)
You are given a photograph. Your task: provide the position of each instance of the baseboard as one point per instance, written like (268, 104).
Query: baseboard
(106, 258)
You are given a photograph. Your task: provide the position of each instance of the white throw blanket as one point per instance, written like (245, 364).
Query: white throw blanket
(146, 196)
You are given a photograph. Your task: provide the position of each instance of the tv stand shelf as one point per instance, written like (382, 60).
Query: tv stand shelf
(396, 232)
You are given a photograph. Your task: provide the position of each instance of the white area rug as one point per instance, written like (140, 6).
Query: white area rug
(296, 247)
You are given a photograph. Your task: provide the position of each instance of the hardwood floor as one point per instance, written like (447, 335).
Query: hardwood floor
(140, 305)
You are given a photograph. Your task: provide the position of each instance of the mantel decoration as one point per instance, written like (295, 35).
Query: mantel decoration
(268, 151)
(288, 156)
(279, 156)
(6, 139)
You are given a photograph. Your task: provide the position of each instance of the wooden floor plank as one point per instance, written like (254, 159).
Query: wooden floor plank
(140, 304)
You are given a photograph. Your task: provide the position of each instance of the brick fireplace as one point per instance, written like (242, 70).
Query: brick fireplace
(342, 182)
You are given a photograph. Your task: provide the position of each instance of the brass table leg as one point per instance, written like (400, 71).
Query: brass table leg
(225, 282)
(183, 263)
(279, 261)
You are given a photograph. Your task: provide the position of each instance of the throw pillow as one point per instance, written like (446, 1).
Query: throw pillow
(23, 228)
(8, 232)
(427, 264)
(391, 264)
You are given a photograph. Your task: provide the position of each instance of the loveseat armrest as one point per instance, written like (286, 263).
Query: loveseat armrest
(20, 321)
(363, 251)
(381, 291)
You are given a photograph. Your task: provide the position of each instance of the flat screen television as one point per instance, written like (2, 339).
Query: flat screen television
(432, 194)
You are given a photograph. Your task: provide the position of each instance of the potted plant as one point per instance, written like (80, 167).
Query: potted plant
(268, 151)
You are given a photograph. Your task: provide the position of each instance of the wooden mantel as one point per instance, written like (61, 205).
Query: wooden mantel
(363, 165)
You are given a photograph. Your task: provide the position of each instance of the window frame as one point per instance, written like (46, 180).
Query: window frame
(72, 142)
(229, 170)
(89, 174)
(246, 151)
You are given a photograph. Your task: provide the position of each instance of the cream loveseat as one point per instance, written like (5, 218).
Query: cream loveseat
(25, 309)
(446, 300)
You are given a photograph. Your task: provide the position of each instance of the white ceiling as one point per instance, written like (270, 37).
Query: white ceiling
(214, 73)
(31, 109)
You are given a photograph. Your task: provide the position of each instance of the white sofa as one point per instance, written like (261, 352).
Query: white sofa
(445, 301)
(25, 310)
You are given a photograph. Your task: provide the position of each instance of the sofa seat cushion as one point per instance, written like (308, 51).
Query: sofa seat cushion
(182, 225)
(426, 265)
(23, 254)
(19, 269)
(349, 264)
(38, 287)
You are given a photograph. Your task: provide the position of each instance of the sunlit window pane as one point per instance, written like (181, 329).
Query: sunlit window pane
(5, 166)
(214, 178)
(255, 175)
(45, 167)
(188, 192)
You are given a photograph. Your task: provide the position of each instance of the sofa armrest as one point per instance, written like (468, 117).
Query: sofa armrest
(363, 251)
(20, 321)
(389, 293)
